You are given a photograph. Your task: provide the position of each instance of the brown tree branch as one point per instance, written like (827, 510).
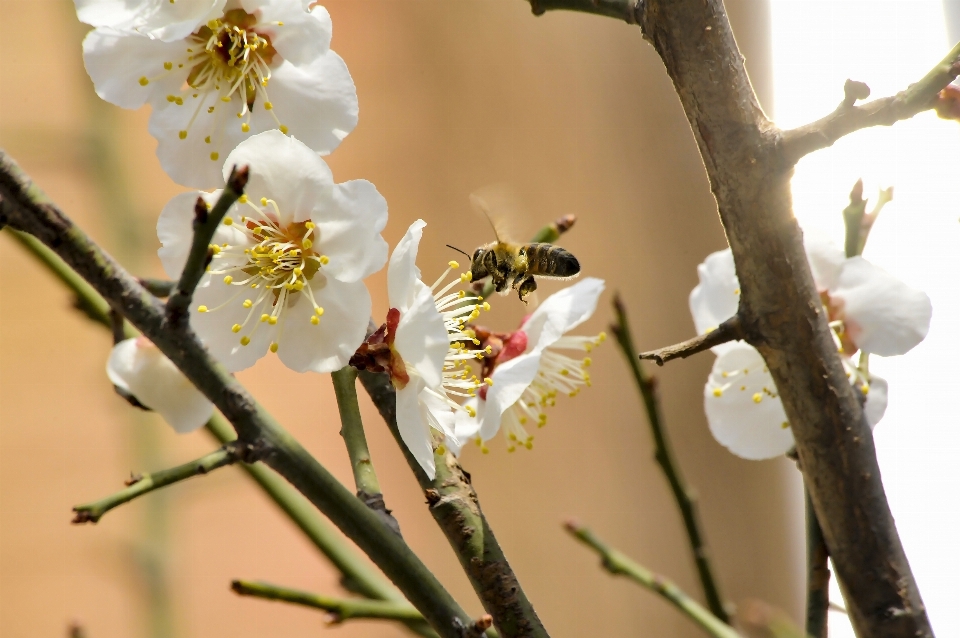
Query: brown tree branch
(626, 10)
(749, 165)
(818, 575)
(887, 111)
(27, 208)
(729, 330)
(456, 508)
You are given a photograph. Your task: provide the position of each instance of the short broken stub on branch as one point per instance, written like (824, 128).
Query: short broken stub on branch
(729, 330)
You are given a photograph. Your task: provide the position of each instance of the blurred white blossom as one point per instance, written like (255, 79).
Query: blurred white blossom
(216, 73)
(137, 367)
(289, 261)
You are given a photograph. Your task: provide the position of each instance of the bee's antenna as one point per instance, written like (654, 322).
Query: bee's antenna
(459, 251)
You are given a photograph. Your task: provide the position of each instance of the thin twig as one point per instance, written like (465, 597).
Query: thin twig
(729, 330)
(145, 483)
(456, 508)
(626, 10)
(849, 117)
(620, 565)
(685, 497)
(818, 575)
(358, 575)
(340, 609)
(28, 209)
(205, 223)
(351, 429)
(158, 287)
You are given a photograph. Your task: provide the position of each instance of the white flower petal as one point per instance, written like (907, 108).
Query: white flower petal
(116, 61)
(327, 346)
(748, 427)
(825, 258)
(509, 382)
(413, 429)
(422, 340)
(467, 427)
(440, 415)
(282, 169)
(884, 316)
(316, 102)
(162, 20)
(561, 312)
(138, 366)
(716, 298)
(225, 304)
(876, 403)
(350, 218)
(402, 273)
(175, 230)
(303, 35)
(193, 161)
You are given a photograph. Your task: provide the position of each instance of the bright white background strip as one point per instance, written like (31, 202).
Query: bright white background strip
(816, 46)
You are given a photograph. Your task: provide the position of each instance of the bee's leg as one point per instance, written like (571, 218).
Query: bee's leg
(527, 286)
(499, 281)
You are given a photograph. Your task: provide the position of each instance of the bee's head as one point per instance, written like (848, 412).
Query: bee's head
(478, 255)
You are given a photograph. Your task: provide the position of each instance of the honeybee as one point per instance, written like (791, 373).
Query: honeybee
(515, 264)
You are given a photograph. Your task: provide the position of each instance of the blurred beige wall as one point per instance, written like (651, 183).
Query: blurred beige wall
(576, 113)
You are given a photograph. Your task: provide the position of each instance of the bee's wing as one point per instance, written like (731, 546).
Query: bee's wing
(497, 204)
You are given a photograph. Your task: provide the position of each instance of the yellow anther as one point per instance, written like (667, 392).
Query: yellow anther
(461, 294)
(865, 388)
(268, 106)
(228, 279)
(587, 362)
(171, 98)
(488, 349)
(470, 410)
(202, 309)
(453, 264)
(757, 397)
(486, 306)
(717, 392)
(225, 98)
(297, 270)
(210, 109)
(284, 129)
(307, 244)
(512, 449)
(144, 81)
(244, 341)
(298, 286)
(512, 436)
(565, 372)
(272, 320)
(523, 420)
(310, 225)
(178, 101)
(274, 346)
(182, 135)
(214, 156)
(236, 327)
(601, 337)
(315, 320)
(228, 221)
(542, 418)
(215, 249)
(528, 445)
(784, 425)
(264, 318)
(318, 311)
(441, 450)
(263, 201)
(245, 127)
(488, 381)
(485, 449)
(168, 65)
(207, 140)
(324, 260)
(465, 277)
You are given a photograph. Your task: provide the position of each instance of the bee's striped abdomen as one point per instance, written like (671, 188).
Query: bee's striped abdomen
(548, 260)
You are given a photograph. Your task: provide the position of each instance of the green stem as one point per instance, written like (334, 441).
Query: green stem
(685, 498)
(818, 575)
(27, 208)
(620, 565)
(358, 576)
(456, 508)
(145, 483)
(205, 224)
(340, 609)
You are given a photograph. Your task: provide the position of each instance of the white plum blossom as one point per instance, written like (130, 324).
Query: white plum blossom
(532, 369)
(137, 367)
(289, 259)
(420, 346)
(216, 73)
(745, 413)
(869, 310)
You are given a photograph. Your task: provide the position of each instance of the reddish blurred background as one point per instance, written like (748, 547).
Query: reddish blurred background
(576, 113)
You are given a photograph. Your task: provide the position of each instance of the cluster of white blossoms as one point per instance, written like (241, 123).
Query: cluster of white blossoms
(253, 83)
(869, 310)
(216, 72)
